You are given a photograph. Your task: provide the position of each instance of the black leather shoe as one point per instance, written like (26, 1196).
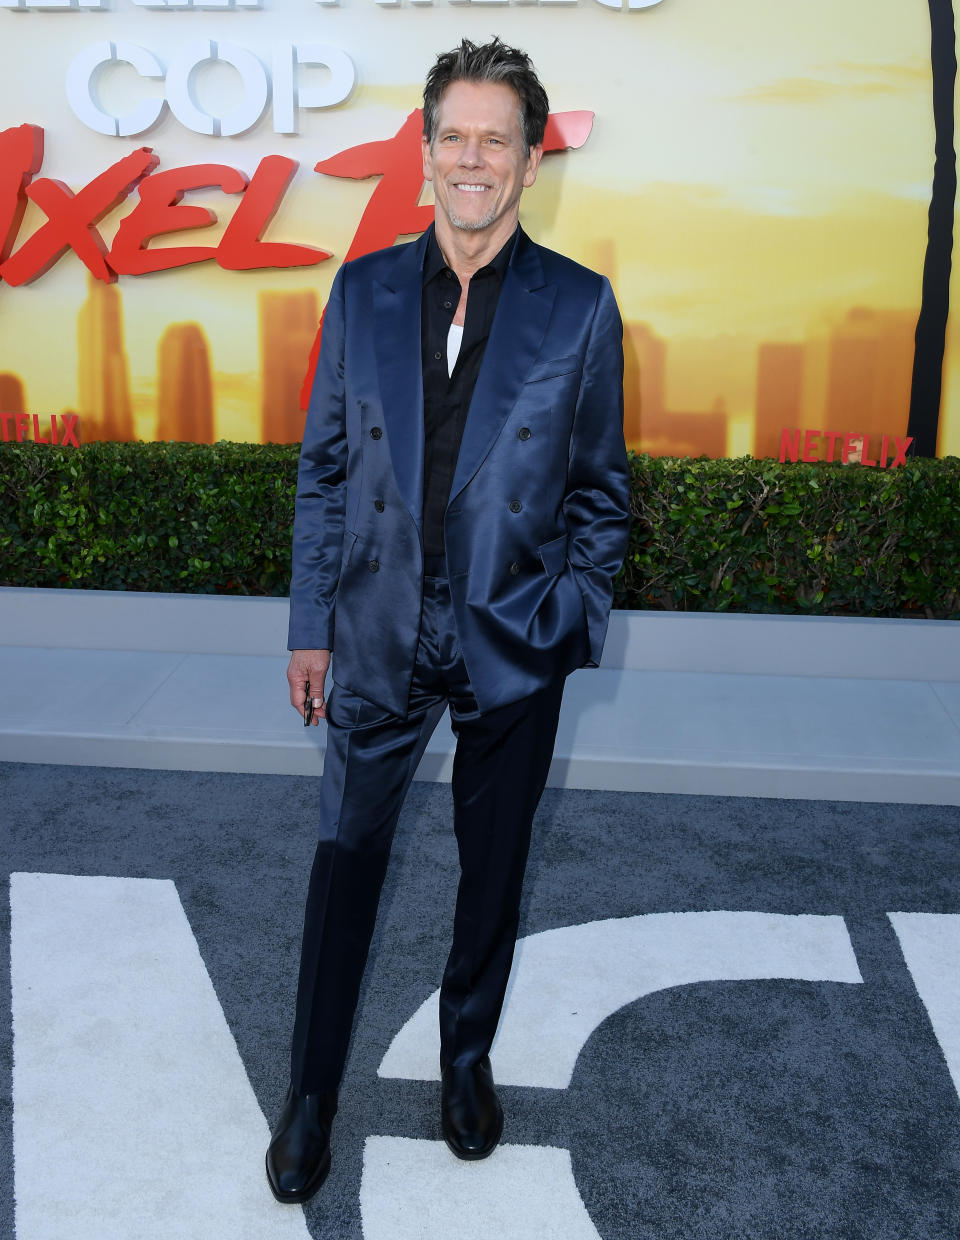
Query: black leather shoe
(298, 1156)
(470, 1113)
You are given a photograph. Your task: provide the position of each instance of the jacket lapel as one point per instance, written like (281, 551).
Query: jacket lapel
(515, 339)
(396, 312)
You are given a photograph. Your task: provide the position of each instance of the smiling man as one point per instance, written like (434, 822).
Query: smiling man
(462, 508)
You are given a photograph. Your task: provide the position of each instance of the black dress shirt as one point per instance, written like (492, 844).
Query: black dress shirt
(446, 397)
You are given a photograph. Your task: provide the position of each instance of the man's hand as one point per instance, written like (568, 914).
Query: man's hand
(308, 667)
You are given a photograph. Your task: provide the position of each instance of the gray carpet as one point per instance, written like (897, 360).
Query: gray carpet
(720, 1111)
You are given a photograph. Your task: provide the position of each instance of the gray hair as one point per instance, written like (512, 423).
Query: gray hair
(489, 62)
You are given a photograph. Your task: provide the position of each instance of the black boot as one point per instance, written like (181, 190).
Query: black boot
(470, 1113)
(298, 1156)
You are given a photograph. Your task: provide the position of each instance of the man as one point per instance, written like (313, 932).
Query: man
(461, 512)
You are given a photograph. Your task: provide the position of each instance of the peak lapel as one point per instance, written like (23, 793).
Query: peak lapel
(396, 311)
(515, 338)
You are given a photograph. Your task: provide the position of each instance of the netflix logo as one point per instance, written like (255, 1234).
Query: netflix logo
(60, 429)
(805, 445)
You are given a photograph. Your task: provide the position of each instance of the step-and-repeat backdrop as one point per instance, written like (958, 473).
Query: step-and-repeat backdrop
(179, 183)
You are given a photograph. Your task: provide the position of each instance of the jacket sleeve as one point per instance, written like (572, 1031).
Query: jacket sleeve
(321, 491)
(597, 502)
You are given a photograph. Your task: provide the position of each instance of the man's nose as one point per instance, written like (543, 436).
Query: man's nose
(471, 153)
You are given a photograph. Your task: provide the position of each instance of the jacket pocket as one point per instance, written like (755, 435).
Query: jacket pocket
(553, 555)
(552, 369)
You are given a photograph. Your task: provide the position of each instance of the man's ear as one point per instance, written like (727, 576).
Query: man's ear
(533, 163)
(427, 158)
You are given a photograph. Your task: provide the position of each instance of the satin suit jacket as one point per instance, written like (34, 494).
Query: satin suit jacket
(537, 518)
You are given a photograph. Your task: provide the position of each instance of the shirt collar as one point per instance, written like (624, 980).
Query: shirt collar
(434, 262)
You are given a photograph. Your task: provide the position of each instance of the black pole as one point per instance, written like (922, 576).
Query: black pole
(925, 391)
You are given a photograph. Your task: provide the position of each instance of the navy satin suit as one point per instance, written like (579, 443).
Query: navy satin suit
(535, 529)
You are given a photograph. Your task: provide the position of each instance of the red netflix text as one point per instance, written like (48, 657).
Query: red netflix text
(62, 429)
(804, 445)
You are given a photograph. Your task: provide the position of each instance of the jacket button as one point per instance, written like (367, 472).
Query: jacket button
(515, 505)
(378, 504)
(523, 432)
(374, 566)
(376, 433)
(514, 569)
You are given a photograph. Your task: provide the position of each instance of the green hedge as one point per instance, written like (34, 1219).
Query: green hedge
(190, 518)
(758, 536)
(743, 535)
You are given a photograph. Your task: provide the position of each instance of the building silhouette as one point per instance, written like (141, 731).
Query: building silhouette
(779, 399)
(600, 254)
(13, 393)
(184, 385)
(288, 324)
(691, 433)
(644, 383)
(853, 379)
(648, 425)
(103, 369)
(870, 371)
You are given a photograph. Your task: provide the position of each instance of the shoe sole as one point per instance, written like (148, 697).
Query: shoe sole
(298, 1199)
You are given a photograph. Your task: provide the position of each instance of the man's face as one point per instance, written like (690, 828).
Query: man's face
(476, 161)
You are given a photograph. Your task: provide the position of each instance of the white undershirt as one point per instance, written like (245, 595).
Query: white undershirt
(454, 341)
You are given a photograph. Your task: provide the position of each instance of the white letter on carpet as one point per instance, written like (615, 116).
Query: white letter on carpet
(566, 982)
(132, 1112)
(416, 1190)
(930, 943)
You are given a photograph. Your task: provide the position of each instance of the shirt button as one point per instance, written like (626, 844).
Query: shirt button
(447, 305)
(438, 356)
(514, 569)
(378, 504)
(523, 432)
(448, 273)
(373, 565)
(515, 505)
(376, 433)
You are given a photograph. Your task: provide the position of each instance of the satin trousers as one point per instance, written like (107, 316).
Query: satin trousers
(499, 772)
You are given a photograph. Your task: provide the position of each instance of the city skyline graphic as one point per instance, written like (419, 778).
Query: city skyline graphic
(863, 365)
(759, 204)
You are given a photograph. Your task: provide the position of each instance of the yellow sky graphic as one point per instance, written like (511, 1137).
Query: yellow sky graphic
(755, 172)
